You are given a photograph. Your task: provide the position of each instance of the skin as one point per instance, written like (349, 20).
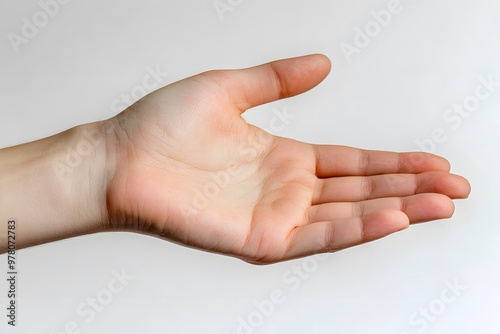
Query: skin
(183, 165)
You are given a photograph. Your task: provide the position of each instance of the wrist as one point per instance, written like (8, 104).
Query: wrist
(56, 187)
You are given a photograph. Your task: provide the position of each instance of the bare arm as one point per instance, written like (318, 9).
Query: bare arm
(53, 191)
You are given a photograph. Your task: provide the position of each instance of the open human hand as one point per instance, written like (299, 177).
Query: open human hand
(182, 164)
(191, 170)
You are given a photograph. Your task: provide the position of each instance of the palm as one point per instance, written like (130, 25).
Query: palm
(191, 170)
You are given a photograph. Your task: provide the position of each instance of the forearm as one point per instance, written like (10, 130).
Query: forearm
(55, 188)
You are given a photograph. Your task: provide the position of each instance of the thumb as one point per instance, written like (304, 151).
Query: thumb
(250, 87)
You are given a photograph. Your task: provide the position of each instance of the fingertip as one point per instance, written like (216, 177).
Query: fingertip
(468, 189)
(461, 187)
(438, 163)
(322, 61)
(449, 209)
(384, 222)
(310, 70)
(428, 207)
(452, 185)
(443, 206)
(419, 162)
(444, 162)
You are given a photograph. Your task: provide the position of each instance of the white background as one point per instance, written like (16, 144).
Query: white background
(393, 93)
